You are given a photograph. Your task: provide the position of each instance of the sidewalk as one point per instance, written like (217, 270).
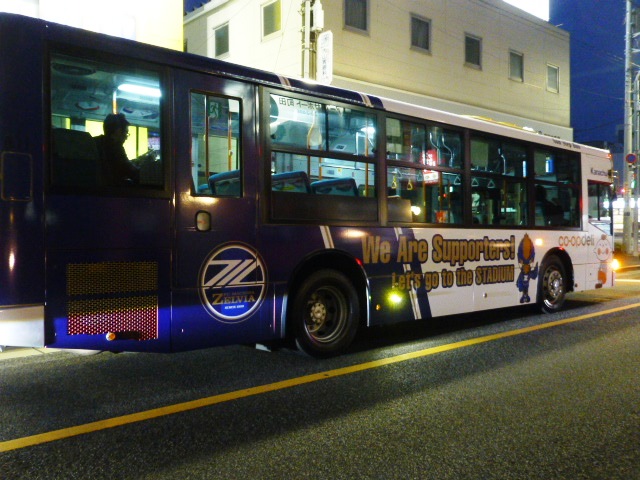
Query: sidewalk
(8, 353)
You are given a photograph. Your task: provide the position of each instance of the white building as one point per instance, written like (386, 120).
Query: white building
(475, 57)
(157, 22)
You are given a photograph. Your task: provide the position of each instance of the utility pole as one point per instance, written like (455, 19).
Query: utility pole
(312, 23)
(629, 224)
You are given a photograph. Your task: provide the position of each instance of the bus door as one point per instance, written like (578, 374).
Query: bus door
(107, 231)
(220, 279)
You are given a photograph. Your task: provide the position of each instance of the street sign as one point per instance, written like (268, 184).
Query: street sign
(324, 59)
(631, 158)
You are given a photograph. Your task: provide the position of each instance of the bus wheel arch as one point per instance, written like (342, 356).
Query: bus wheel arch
(555, 279)
(327, 305)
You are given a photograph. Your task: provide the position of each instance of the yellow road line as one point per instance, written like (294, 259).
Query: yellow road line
(271, 387)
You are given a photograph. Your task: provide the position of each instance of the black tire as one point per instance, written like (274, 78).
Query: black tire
(325, 314)
(552, 286)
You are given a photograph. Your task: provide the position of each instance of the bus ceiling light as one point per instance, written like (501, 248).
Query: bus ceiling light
(140, 90)
(416, 210)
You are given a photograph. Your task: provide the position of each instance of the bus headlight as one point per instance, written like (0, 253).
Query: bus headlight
(615, 264)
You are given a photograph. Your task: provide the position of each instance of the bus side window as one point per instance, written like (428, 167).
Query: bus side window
(215, 145)
(297, 123)
(416, 195)
(84, 94)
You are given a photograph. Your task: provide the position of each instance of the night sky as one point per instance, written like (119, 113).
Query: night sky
(597, 31)
(597, 63)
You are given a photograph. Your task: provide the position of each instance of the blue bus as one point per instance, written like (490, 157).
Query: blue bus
(152, 200)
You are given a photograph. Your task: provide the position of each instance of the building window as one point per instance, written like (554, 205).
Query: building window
(271, 18)
(356, 14)
(421, 33)
(516, 66)
(553, 78)
(473, 51)
(221, 36)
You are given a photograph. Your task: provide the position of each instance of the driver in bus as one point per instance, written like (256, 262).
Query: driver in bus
(117, 167)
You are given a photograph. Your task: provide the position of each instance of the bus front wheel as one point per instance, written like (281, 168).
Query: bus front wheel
(325, 314)
(551, 285)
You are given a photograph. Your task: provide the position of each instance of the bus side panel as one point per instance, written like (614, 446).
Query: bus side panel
(392, 259)
(205, 313)
(108, 273)
(21, 232)
(376, 248)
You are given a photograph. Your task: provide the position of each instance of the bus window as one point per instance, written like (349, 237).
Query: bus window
(557, 190)
(297, 123)
(556, 206)
(215, 145)
(89, 149)
(556, 167)
(444, 148)
(600, 204)
(406, 141)
(496, 156)
(430, 196)
(294, 173)
(498, 201)
(426, 145)
(354, 133)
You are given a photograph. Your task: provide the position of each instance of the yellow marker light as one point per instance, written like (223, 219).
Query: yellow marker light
(615, 264)
(394, 299)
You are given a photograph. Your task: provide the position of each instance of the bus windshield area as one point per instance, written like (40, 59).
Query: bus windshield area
(105, 121)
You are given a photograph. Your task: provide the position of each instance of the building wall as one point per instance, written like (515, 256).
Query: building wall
(157, 22)
(279, 52)
(381, 61)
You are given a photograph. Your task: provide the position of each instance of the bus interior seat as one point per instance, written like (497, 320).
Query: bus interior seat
(226, 184)
(336, 186)
(296, 181)
(76, 161)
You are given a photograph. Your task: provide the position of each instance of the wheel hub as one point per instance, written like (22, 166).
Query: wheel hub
(318, 314)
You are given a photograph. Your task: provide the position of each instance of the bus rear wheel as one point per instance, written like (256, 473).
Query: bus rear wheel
(551, 285)
(325, 314)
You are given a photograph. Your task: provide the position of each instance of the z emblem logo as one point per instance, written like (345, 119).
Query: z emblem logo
(232, 282)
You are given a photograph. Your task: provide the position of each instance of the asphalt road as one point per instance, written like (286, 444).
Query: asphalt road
(503, 395)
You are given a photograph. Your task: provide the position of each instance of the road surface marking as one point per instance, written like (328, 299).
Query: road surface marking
(63, 433)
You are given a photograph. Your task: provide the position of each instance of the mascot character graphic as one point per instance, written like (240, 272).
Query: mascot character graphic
(526, 255)
(603, 252)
